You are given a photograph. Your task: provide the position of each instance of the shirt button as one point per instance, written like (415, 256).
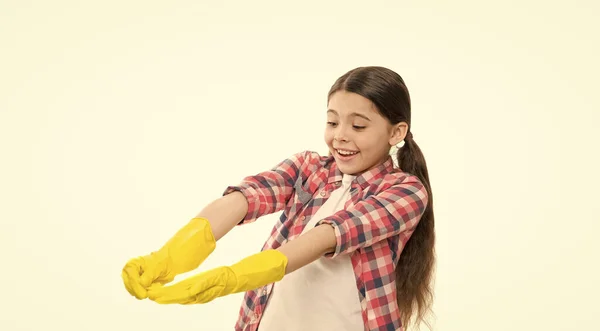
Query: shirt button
(323, 193)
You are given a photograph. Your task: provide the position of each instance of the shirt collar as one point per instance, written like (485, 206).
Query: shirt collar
(363, 180)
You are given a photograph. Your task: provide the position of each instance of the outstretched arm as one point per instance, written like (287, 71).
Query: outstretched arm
(225, 213)
(308, 247)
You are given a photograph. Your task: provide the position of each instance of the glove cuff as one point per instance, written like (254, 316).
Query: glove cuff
(190, 246)
(256, 270)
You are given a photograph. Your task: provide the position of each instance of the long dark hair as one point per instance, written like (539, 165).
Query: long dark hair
(414, 272)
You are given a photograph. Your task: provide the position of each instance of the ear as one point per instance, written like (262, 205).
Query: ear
(398, 133)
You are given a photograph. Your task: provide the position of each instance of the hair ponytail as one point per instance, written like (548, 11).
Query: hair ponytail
(414, 272)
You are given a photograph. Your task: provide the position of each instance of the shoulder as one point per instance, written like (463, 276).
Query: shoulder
(397, 176)
(405, 182)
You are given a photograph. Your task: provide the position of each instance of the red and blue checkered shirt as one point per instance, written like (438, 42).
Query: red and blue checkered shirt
(385, 206)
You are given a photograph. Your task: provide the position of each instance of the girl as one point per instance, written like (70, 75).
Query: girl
(354, 246)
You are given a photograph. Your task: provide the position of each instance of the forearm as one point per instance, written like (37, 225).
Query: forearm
(225, 213)
(308, 247)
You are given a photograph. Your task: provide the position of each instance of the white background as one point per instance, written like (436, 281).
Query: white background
(120, 120)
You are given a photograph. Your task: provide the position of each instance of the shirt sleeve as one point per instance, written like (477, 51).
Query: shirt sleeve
(269, 191)
(393, 211)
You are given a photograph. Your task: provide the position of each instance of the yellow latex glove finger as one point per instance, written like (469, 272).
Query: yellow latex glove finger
(131, 278)
(200, 288)
(141, 272)
(128, 286)
(156, 269)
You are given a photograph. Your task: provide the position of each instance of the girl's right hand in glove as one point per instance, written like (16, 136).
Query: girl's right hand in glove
(185, 251)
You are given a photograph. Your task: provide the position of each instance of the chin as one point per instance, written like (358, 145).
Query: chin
(347, 170)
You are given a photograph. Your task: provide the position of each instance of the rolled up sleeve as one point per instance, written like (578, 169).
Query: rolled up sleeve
(392, 211)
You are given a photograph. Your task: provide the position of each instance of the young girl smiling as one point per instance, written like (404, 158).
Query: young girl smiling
(354, 246)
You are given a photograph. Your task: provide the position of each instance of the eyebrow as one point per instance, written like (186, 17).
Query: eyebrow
(352, 114)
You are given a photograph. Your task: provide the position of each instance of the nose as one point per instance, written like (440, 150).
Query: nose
(341, 132)
(339, 135)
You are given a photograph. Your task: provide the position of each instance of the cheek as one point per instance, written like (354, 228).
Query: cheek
(328, 136)
(369, 144)
(363, 143)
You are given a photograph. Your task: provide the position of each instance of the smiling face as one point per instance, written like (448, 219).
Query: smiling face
(358, 137)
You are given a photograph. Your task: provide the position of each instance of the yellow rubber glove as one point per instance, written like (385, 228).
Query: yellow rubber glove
(184, 252)
(250, 273)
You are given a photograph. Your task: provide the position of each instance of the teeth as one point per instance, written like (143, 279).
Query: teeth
(346, 153)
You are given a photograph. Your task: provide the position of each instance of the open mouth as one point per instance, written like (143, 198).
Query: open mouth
(345, 154)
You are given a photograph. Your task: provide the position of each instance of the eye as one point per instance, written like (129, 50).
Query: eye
(331, 123)
(358, 127)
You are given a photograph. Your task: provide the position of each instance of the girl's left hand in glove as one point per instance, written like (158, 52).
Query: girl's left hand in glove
(248, 274)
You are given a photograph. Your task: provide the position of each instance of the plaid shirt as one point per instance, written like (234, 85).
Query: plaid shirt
(385, 206)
